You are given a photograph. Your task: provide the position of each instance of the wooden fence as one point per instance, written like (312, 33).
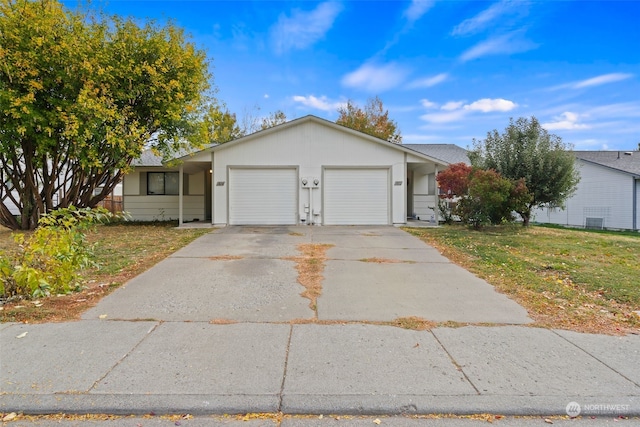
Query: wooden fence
(112, 203)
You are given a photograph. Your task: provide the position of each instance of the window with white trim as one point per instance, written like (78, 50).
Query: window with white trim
(162, 183)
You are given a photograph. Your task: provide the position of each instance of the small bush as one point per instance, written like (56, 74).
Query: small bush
(48, 261)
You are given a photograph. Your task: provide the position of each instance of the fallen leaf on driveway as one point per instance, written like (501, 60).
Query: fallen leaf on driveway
(102, 316)
(22, 335)
(377, 421)
(10, 416)
(548, 421)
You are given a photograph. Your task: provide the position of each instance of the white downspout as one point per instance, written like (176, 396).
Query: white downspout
(180, 193)
(311, 219)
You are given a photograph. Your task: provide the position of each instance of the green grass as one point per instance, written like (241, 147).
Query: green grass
(578, 279)
(121, 251)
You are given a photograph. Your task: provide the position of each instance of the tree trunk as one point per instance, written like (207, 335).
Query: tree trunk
(7, 219)
(526, 216)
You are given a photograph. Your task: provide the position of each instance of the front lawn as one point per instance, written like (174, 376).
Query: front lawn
(572, 279)
(122, 251)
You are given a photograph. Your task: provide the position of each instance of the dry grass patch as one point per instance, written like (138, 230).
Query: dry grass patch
(225, 257)
(222, 322)
(568, 279)
(414, 323)
(310, 266)
(122, 251)
(378, 260)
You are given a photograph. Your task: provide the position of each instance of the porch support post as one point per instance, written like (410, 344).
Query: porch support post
(406, 190)
(436, 210)
(180, 194)
(213, 189)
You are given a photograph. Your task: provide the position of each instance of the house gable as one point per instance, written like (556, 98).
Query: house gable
(305, 129)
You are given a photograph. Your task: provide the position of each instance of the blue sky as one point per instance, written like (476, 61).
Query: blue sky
(447, 71)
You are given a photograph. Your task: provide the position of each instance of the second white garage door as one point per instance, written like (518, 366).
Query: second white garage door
(263, 196)
(356, 196)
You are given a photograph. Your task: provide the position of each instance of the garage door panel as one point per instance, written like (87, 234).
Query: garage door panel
(263, 196)
(356, 196)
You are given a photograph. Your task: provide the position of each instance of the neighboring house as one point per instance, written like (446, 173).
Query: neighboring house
(306, 171)
(607, 196)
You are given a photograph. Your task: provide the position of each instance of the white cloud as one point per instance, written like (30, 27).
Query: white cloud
(565, 121)
(266, 96)
(593, 81)
(601, 80)
(457, 110)
(429, 81)
(417, 9)
(302, 29)
(452, 105)
(484, 19)
(624, 109)
(428, 104)
(321, 103)
(500, 45)
(375, 78)
(448, 117)
(488, 105)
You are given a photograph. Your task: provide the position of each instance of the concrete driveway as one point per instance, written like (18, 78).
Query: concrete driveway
(247, 274)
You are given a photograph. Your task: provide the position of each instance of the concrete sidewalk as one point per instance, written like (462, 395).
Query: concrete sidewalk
(126, 367)
(220, 327)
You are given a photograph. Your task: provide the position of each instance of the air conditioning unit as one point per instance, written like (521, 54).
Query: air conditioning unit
(594, 223)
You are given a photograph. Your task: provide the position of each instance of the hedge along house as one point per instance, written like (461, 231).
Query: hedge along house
(306, 171)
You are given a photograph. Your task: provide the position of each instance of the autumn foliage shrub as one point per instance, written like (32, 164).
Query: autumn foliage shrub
(479, 197)
(48, 261)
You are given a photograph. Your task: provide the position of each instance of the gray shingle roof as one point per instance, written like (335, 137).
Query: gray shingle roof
(629, 163)
(449, 153)
(148, 158)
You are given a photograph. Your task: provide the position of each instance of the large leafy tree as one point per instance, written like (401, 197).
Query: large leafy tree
(373, 119)
(274, 119)
(81, 95)
(218, 125)
(526, 151)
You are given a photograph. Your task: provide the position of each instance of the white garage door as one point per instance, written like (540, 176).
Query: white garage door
(263, 196)
(356, 196)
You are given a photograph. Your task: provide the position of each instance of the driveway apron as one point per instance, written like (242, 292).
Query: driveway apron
(248, 274)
